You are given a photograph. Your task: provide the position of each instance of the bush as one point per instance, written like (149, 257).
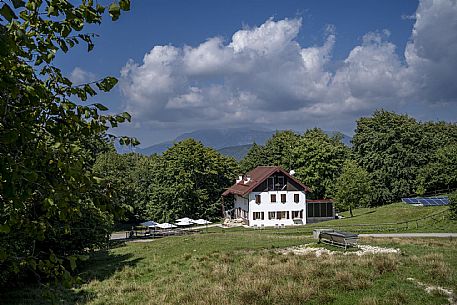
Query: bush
(453, 205)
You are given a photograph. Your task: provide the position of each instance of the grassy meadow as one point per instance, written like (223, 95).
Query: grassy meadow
(244, 267)
(392, 217)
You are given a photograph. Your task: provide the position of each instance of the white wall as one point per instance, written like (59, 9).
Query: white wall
(241, 203)
(267, 206)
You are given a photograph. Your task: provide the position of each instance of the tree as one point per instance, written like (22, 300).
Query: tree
(403, 156)
(50, 202)
(441, 173)
(318, 160)
(189, 182)
(129, 176)
(255, 157)
(352, 188)
(391, 148)
(278, 149)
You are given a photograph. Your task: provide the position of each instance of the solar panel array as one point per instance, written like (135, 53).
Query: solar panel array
(427, 201)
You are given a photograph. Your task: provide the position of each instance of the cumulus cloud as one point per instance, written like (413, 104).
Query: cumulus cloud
(80, 76)
(264, 76)
(431, 54)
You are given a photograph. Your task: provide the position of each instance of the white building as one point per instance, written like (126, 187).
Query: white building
(270, 196)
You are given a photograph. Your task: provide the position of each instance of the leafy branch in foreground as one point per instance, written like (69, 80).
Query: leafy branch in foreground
(52, 208)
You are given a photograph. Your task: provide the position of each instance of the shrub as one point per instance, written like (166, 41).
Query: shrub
(453, 205)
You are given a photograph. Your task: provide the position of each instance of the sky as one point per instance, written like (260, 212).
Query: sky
(188, 65)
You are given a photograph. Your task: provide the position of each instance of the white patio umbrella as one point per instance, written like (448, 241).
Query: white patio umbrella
(201, 222)
(165, 225)
(185, 219)
(184, 223)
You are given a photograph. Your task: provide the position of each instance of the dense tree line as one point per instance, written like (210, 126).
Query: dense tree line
(397, 155)
(393, 156)
(186, 181)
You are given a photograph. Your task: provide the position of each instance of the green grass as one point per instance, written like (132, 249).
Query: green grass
(392, 218)
(243, 267)
(384, 219)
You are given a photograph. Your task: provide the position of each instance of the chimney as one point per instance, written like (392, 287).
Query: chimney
(247, 179)
(240, 178)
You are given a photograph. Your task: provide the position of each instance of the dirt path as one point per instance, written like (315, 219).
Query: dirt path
(411, 235)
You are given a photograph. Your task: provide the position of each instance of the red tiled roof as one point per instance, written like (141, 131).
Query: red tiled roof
(259, 175)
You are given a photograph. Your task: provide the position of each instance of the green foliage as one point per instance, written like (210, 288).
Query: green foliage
(402, 154)
(352, 188)
(388, 146)
(318, 160)
(278, 149)
(129, 177)
(189, 181)
(52, 208)
(441, 172)
(255, 157)
(453, 205)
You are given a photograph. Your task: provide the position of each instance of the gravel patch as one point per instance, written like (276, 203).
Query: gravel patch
(362, 250)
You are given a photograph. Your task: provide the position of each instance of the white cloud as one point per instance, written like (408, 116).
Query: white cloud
(80, 76)
(264, 76)
(431, 54)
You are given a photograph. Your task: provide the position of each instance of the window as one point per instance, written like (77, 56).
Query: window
(271, 184)
(276, 183)
(283, 197)
(273, 198)
(329, 209)
(257, 198)
(271, 215)
(279, 183)
(281, 215)
(257, 215)
(296, 214)
(296, 198)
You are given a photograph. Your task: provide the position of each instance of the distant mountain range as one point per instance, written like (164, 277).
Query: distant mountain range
(234, 142)
(237, 152)
(215, 138)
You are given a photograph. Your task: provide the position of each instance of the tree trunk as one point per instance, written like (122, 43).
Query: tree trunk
(350, 211)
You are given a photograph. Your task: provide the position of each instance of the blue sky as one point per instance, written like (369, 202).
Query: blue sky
(186, 65)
